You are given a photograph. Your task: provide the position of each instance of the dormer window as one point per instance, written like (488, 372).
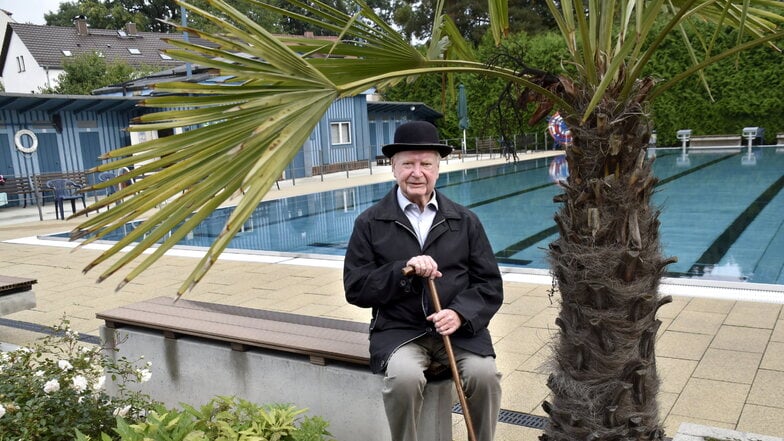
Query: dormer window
(165, 56)
(134, 51)
(67, 53)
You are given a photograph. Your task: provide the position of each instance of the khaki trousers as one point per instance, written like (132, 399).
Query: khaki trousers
(404, 387)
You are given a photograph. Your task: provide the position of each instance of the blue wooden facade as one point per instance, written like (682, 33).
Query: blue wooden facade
(72, 131)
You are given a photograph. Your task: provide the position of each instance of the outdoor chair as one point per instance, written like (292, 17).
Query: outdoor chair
(65, 190)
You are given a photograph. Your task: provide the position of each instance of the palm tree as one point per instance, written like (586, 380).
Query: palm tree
(607, 261)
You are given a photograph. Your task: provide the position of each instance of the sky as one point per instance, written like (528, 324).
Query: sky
(30, 11)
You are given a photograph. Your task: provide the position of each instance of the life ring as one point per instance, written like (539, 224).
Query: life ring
(18, 141)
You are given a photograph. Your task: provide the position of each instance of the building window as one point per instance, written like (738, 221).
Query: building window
(340, 132)
(165, 56)
(67, 53)
(134, 51)
(20, 63)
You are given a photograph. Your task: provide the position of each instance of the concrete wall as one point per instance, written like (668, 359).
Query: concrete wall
(193, 371)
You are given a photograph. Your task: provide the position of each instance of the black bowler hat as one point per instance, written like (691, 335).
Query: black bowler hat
(416, 135)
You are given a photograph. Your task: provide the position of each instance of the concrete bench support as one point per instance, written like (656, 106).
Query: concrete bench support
(16, 294)
(193, 368)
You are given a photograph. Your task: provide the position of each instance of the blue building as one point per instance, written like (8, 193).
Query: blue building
(42, 134)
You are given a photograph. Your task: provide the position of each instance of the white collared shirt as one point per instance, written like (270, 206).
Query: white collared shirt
(420, 220)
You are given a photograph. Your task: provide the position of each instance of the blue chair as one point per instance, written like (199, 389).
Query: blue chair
(65, 190)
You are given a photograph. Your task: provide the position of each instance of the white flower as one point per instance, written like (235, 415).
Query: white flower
(144, 375)
(98, 385)
(122, 411)
(65, 365)
(2, 410)
(52, 386)
(79, 383)
(39, 373)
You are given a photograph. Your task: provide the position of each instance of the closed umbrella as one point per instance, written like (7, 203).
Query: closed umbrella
(462, 113)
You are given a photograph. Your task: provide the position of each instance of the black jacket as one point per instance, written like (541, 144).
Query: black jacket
(381, 244)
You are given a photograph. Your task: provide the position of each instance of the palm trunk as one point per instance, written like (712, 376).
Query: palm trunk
(608, 264)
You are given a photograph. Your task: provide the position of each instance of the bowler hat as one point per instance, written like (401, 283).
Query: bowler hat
(416, 135)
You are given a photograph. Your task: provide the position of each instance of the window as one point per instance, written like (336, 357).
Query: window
(340, 132)
(134, 51)
(164, 56)
(67, 53)
(20, 63)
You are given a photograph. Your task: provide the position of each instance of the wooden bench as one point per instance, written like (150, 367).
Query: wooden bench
(16, 294)
(19, 189)
(702, 142)
(320, 339)
(338, 167)
(266, 357)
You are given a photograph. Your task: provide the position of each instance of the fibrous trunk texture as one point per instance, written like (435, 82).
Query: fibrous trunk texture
(607, 263)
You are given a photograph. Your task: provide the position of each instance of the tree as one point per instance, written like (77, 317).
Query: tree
(471, 17)
(89, 71)
(607, 260)
(99, 15)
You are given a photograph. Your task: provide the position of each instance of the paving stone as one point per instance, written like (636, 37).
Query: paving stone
(682, 345)
(774, 357)
(674, 373)
(767, 389)
(762, 419)
(672, 309)
(525, 340)
(710, 305)
(697, 322)
(712, 400)
(666, 400)
(523, 391)
(539, 362)
(778, 331)
(741, 339)
(732, 366)
(754, 315)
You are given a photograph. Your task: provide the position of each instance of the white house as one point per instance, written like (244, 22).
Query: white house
(32, 56)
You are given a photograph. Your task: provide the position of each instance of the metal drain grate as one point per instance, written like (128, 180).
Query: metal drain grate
(514, 417)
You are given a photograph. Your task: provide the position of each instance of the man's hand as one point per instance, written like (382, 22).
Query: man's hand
(424, 266)
(446, 321)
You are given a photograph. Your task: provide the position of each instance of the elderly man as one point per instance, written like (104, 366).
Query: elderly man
(413, 225)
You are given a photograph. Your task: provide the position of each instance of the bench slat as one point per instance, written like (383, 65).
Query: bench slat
(217, 322)
(10, 285)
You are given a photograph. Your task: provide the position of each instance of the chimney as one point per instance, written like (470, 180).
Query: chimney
(130, 28)
(80, 21)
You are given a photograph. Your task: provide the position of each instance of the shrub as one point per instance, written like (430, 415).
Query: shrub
(56, 387)
(224, 419)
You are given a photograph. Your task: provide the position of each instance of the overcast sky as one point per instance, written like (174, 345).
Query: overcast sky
(30, 11)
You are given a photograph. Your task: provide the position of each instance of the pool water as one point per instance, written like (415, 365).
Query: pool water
(723, 219)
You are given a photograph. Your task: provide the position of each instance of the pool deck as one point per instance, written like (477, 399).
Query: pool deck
(721, 360)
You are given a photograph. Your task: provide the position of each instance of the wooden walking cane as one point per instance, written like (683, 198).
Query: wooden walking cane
(407, 271)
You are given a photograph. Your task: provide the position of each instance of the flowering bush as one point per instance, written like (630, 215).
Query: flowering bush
(56, 387)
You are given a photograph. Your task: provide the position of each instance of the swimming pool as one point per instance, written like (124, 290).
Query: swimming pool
(723, 220)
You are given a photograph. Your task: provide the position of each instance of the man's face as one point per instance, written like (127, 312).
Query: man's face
(416, 172)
